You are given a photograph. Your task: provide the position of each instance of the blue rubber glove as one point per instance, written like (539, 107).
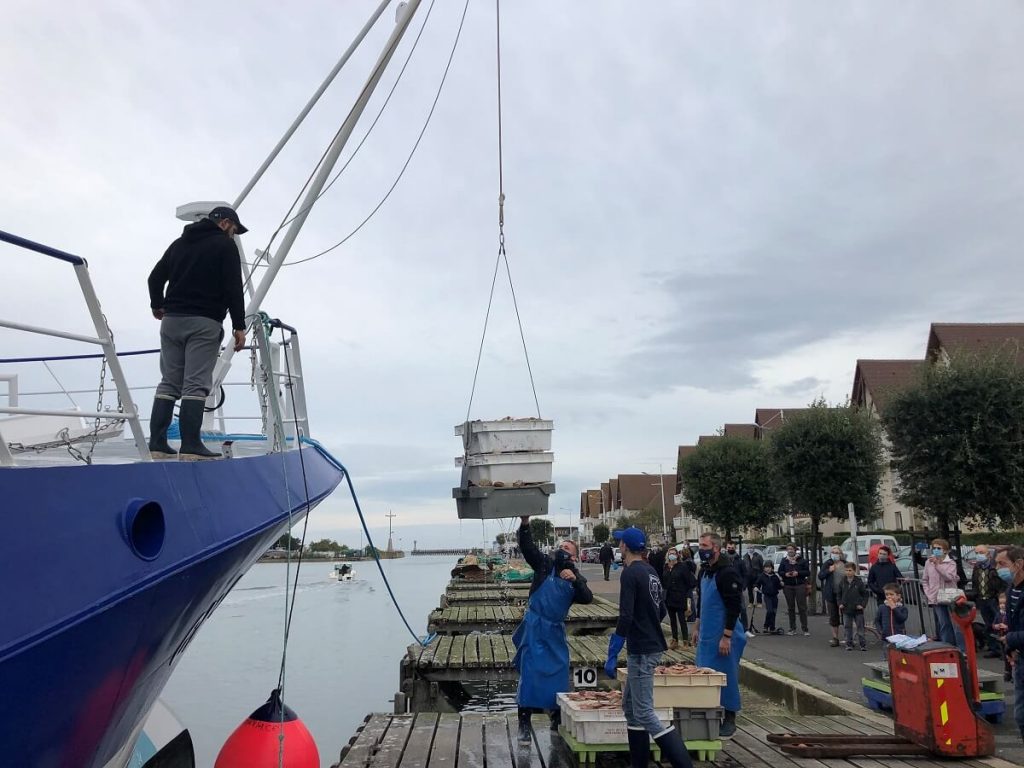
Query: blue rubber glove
(615, 643)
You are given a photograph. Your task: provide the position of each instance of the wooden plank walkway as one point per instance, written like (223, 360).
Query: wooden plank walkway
(598, 616)
(476, 740)
(477, 657)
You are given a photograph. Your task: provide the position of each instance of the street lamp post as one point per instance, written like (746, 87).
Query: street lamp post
(661, 484)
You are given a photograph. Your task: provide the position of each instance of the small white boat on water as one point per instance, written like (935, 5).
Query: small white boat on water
(342, 572)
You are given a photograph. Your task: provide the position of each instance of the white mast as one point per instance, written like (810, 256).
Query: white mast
(403, 17)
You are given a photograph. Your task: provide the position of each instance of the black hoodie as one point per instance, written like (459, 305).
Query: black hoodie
(203, 275)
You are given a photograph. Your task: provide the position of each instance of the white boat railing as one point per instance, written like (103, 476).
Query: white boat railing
(103, 338)
(276, 377)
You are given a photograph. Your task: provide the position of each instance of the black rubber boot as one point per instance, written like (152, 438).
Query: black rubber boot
(639, 747)
(728, 727)
(525, 730)
(159, 421)
(190, 420)
(673, 751)
(556, 719)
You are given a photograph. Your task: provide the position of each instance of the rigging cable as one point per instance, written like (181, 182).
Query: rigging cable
(502, 255)
(292, 214)
(408, 160)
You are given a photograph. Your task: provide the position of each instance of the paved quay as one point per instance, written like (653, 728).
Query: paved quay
(812, 661)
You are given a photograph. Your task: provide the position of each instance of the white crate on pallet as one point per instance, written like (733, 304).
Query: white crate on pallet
(506, 435)
(686, 691)
(600, 726)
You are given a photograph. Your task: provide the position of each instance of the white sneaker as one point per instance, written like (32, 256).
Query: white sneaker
(751, 634)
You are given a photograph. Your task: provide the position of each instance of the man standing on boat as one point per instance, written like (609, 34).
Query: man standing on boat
(542, 650)
(203, 278)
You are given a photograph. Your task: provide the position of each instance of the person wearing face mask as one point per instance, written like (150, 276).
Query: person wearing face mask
(1010, 568)
(940, 573)
(679, 582)
(985, 588)
(831, 575)
(542, 650)
(795, 573)
(720, 637)
(883, 571)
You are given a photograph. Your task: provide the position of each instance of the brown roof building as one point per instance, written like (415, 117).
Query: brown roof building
(876, 381)
(705, 439)
(741, 430)
(684, 451)
(945, 339)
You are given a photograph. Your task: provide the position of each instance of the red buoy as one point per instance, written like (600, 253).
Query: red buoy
(256, 742)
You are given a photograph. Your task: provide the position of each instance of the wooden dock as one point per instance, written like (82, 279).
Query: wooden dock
(457, 585)
(473, 598)
(476, 740)
(489, 657)
(599, 616)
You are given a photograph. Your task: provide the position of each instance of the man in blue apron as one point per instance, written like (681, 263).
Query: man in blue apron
(719, 602)
(641, 611)
(542, 651)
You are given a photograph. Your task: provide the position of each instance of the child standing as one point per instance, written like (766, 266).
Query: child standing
(852, 599)
(1000, 627)
(892, 614)
(769, 585)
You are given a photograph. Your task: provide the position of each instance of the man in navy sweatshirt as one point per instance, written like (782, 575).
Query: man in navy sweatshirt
(641, 611)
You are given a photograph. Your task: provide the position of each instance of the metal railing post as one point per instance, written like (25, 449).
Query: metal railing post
(298, 388)
(270, 399)
(113, 363)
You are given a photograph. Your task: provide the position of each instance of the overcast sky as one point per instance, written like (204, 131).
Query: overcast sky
(711, 207)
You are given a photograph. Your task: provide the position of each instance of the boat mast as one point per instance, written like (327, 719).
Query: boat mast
(404, 16)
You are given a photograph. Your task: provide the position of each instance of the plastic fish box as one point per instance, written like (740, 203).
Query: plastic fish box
(686, 691)
(600, 726)
(506, 435)
(698, 724)
(507, 468)
(487, 503)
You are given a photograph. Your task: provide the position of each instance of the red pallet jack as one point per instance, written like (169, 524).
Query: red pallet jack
(935, 698)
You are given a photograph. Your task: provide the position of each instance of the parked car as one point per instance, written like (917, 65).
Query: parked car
(590, 554)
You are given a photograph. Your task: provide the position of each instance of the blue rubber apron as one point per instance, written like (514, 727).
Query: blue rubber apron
(542, 651)
(712, 625)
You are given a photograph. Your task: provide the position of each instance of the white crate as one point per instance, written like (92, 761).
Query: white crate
(507, 435)
(508, 468)
(600, 726)
(686, 691)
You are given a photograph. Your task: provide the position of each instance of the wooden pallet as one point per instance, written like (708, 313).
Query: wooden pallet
(478, 656)
(432, 740)
(600, 615)
(459, 585)
(466, 598)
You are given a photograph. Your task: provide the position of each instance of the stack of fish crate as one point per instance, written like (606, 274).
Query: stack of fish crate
(693, 695)
(506, 468)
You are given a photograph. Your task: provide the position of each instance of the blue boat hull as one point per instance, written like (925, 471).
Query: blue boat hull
(93, 628)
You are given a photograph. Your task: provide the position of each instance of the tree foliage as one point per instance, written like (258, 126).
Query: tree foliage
(601, 533)
(729, 484)
(957, 441)
(542, 531)
(282, 543)
(325, 545)
(826, 457)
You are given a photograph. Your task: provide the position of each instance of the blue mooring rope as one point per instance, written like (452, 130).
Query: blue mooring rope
(424, 641)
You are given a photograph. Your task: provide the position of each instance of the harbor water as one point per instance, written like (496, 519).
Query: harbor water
(343, 653)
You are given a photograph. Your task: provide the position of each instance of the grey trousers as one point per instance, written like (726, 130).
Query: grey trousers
(189, 346)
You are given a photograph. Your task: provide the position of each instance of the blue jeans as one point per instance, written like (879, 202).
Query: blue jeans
(638, 694)
(771, 606)
(947, 631)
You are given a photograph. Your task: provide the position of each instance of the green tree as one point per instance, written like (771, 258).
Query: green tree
(500, 538)
(324, 545)
(826, 457)
(729, 484)
(601, 533)
(542, 531)
(957, 441)
(282, 543)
